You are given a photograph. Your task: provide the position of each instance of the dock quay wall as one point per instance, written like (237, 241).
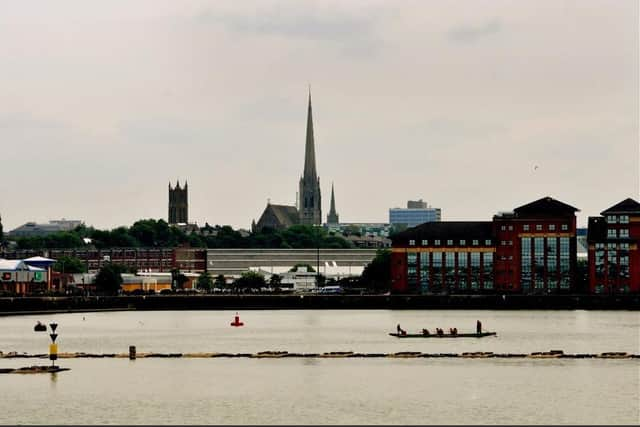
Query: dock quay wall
(37, 305)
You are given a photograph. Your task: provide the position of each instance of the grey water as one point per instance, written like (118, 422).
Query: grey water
(324, 391)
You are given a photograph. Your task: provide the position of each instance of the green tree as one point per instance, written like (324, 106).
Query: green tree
(376, 275)
(204, 281)
(109, 279)
(69, 264)
(249, 280)
(275, 281)
(220, 282)
(178, 279)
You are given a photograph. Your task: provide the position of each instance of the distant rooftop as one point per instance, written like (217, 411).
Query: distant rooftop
(34, 229)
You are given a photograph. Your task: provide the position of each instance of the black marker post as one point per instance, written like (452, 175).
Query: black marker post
(53, 347)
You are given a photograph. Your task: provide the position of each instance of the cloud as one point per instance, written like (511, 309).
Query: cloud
(355, 34)
(470, 34)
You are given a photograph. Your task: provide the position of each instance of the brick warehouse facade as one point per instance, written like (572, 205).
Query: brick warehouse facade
(614, 254)
(531, 250)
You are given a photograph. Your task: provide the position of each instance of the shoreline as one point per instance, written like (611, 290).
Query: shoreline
(75, 304)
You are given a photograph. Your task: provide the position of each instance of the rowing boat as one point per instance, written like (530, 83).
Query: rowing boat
(476, 335)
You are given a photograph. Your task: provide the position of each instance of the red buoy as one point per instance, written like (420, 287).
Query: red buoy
(237, 321)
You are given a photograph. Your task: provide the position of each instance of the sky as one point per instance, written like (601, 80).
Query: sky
(474, 106)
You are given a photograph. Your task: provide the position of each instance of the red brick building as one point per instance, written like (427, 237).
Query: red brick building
(529, 250)
(614, 256)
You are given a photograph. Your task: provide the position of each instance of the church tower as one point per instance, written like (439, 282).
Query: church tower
(309, 194)
(332, 217)
(178, 204)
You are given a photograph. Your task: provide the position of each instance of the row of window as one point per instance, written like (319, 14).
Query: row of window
(538, 227)
(621, 288)
(610, 246)
(622, 233)
(450, 270)
(545, 262)
(463, 242)
(622, 219)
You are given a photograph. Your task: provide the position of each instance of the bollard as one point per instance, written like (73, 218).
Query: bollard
(132, 352)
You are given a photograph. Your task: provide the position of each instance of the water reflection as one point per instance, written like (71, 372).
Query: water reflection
(53, 380)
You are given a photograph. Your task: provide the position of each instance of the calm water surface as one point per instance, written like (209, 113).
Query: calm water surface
(325, 391)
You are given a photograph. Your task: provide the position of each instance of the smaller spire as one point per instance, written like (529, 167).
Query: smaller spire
(332, 217)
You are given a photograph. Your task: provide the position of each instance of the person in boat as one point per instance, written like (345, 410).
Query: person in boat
(398, 328)
(455, 331)
(440, 332)
(425, 331)
(478, 327)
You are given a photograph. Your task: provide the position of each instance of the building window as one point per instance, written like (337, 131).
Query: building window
(510, 242)
(412, 268)
(538, 262)
(624, 219)
(611, 233)
(503, 228)
(436, 270)
(611, 219)
(564, 227)
(450, 270)
(565, 267)
(474, 242)
(462, 269)
(436, 242)
(425, 242)
(487, 270)
(538, 227)
(487, 242)
(449, 242)
(552, 227)
(412, 242)
(503, 243)
(475, 270)
(552, 262)
(511, 228)
(624, 233)
(424, 272)
(525, 227)
(463, 242)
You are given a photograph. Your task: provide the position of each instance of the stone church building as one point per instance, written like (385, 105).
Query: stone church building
(309, 204)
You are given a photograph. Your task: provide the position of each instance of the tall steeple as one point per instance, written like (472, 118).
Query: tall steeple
(309, 148)
(332, 217)
(309, 203)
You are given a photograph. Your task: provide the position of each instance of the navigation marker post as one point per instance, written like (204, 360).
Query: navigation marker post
(53, 347)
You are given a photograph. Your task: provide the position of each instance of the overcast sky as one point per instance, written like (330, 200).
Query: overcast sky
(474, 106)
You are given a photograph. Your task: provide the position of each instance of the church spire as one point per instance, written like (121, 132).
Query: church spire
(332, 216)
(309, 148)
(309, 199)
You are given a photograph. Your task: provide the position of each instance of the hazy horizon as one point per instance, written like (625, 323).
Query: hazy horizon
(475, 107)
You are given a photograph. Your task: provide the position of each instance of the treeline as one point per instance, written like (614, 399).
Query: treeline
(158, 233)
